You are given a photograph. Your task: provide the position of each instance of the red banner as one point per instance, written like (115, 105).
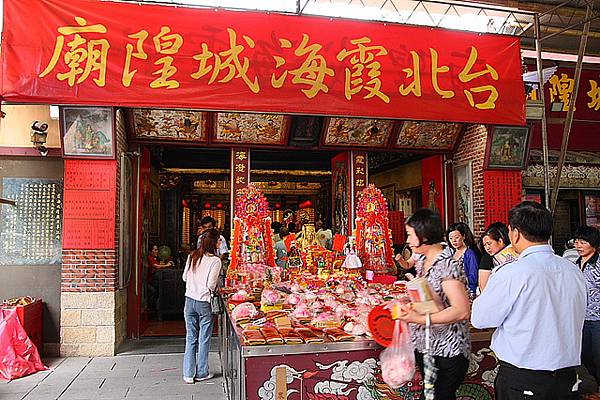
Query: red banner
(105, 53)
(559, 90)
(558, 93)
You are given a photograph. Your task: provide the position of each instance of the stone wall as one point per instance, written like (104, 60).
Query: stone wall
(90, 323)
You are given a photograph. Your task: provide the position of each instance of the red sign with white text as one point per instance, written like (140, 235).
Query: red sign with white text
(110, 53)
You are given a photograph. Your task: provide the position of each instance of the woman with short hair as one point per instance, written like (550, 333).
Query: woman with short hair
(450, 342)
(587, 240)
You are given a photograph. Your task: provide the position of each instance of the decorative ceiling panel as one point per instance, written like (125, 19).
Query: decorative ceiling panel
(179, 125)
(428, 135)
(358, 132)
(261, 129)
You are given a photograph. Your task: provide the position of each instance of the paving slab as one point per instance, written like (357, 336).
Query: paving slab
(153, 376)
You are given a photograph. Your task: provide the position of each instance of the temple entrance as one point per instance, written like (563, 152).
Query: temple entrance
(181, 188)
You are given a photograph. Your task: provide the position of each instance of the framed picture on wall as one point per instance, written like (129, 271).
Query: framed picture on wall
(87, 132)
(463, 194)
(507, 147)
(592, 210)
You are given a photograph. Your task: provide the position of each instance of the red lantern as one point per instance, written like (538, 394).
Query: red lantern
(219, 206)
(185, 203)
(306, 204)
(207, 206)
(277, 206)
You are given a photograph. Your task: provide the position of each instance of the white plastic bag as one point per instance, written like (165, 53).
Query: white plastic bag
(398, 360)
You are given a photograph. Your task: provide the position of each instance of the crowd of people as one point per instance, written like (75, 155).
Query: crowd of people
(545, 308)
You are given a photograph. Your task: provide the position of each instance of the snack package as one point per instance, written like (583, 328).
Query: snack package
(505, 256)
(424, 299)
(271, 300)
(308, 335)
(253, 337)
(244, 312)
(398, 360)
(302, 313)
(290, 336)
(272, 335)
(338, 335)
(270, 296)
(326, 319)
(358, 329)
(240, 295)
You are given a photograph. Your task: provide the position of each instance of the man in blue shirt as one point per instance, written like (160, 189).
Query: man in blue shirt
(537, 305)
(209, 222)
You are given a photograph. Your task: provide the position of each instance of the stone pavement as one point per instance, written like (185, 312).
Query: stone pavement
(152, 376)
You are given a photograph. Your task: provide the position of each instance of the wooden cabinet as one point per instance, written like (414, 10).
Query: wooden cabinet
(171, 292)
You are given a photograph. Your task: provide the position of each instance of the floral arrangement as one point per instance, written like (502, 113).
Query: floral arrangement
(373, 235)
(252, 244)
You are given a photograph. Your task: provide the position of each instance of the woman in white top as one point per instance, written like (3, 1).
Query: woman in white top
(201, 274)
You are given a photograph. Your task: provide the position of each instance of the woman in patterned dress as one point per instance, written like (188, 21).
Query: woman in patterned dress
(587, 240)
(450, 341)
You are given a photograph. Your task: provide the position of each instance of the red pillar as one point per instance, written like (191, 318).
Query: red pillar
(240, 175)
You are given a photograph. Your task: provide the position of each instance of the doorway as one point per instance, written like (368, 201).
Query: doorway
(179, 186)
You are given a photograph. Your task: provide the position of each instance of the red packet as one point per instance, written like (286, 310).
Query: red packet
(339, 241)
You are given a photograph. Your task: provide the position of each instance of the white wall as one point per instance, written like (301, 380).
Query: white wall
(15, 128)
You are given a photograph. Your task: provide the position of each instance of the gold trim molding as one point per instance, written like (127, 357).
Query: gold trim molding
(216, 171)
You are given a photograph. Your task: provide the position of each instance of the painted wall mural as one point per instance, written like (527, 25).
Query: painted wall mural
(184, 125)
(251, 128)
(358, 132)
(428, 135)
